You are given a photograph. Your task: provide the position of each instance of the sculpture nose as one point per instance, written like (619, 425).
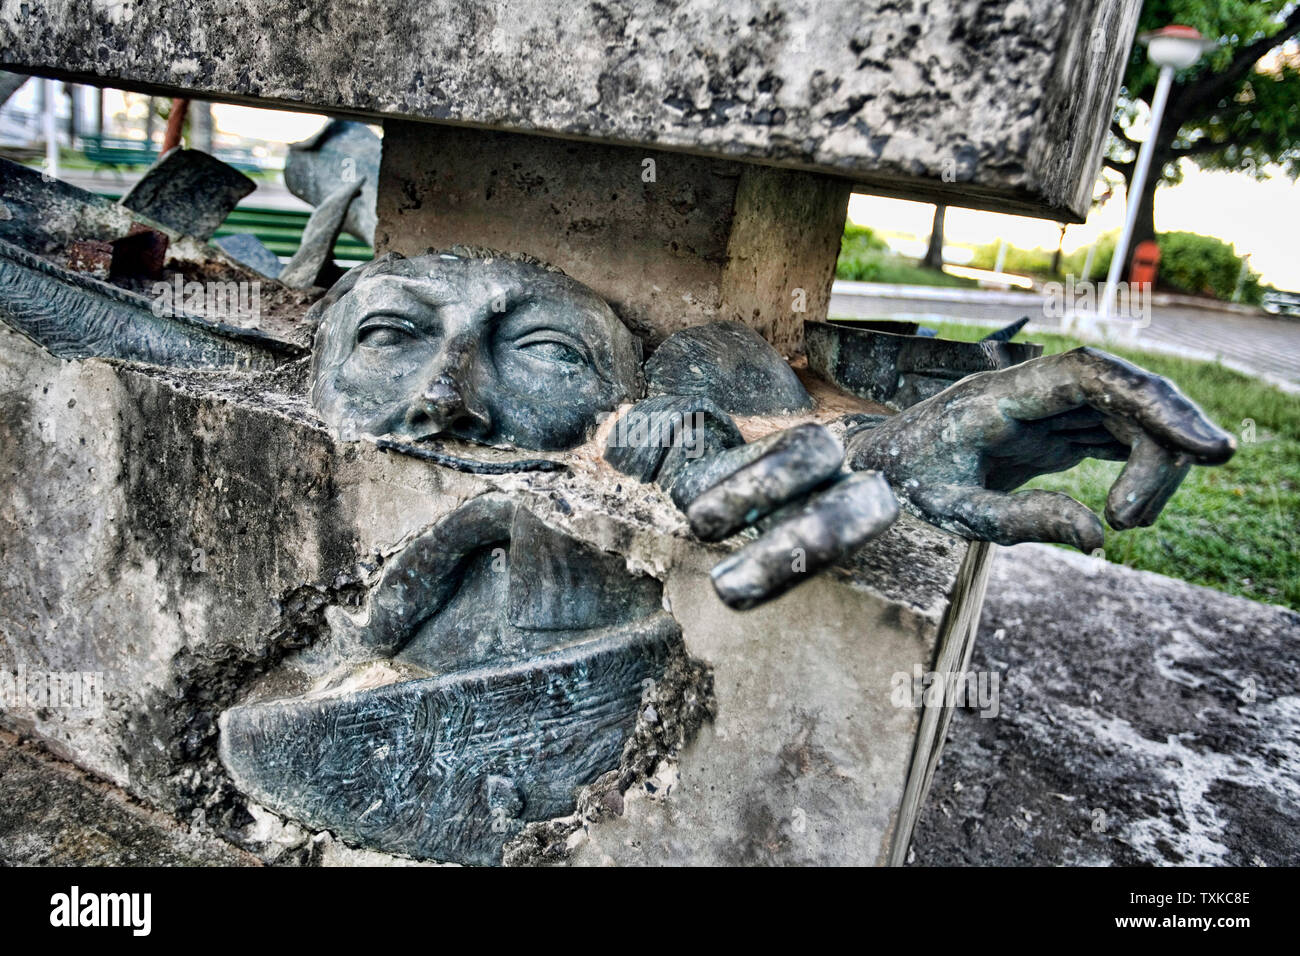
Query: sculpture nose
(447, 403)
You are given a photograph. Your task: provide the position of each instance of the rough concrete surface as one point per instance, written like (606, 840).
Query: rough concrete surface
(1001, 105)
(1143, 721)
(653, 249)
(807, 758)
(53, 814)
(785, 241)
(148, 536)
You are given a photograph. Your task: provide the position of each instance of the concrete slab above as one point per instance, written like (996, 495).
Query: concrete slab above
(1001, 106)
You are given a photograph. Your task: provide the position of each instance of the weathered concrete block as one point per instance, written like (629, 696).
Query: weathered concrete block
(199, 540)
(1001, 106)
(669, 240)
(808, 761)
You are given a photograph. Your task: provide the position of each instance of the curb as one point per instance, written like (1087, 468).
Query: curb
(882, 290)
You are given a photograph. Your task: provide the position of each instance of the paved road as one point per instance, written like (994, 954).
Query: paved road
(1257, 345)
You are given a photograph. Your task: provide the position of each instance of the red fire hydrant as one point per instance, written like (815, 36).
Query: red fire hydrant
(1145, 265)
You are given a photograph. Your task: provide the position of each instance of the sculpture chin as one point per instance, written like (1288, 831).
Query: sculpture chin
(504, 673)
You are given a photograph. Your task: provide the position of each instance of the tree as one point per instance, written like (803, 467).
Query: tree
(1238, 109)
(1060, 248)
(934, 254)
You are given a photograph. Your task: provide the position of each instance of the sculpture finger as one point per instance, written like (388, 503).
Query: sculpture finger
(698, 476)
(814, 535)
(1052, 385)
(1117, 388)
(1148, 480)
(983, 515)
(797, 461)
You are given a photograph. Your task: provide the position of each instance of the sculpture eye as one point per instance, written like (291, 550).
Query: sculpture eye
(551, 348)
(384, 332)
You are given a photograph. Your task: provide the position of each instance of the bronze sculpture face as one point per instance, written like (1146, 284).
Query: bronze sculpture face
(493, 350)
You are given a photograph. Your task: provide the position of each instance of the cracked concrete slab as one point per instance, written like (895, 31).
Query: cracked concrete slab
(55, 814)
(1142, 721)
(993, 105)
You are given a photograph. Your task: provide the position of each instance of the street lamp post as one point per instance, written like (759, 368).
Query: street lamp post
(1171, 48)
(49, 123)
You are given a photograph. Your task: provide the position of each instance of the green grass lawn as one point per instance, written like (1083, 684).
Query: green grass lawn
(865, 257)
(1231, 528)
(877, 266)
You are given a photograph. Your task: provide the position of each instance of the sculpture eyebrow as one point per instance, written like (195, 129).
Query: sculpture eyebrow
(433, 291)
(582, 329)
(514, 293)
(414, 296)
(430, 292)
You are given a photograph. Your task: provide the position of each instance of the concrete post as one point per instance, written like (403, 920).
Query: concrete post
(670, 240)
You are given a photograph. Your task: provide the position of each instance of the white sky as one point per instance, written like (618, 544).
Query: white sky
(275, 125)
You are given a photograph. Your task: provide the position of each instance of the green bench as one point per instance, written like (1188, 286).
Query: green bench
(118, 152)
(240, 158)
(281, 231)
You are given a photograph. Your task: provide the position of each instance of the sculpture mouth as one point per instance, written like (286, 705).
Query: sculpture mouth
(494, 461)
(506, 662)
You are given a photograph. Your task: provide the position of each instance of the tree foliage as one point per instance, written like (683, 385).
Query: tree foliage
(1238, 109)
